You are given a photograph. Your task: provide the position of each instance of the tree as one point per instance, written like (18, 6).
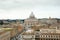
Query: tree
(1, 22)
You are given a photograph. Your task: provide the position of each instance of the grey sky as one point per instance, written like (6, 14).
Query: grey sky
(11, 9)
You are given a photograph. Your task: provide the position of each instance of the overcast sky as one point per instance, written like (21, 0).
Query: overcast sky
(21, 9)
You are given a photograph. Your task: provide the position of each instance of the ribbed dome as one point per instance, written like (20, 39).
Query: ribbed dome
(32, 15)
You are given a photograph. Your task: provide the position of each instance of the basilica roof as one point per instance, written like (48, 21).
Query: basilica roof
(32, 16)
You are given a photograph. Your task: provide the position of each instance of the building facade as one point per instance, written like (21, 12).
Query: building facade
(32, 20)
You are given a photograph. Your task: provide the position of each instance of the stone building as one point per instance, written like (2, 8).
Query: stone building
(43, 29)
(4, 35)
(30, 21)
(42, 34)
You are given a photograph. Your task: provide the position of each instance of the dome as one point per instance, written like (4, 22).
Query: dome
(32, 15)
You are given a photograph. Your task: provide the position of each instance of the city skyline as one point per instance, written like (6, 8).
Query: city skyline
(21, 9)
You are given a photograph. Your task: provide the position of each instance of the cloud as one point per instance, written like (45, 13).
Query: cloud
(9, 4)
(40, 7)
